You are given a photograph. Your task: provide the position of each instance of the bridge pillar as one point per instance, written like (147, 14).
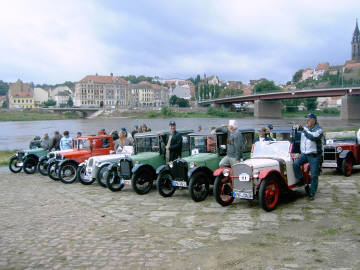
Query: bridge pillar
(267, 109)
(350, 107)
(216, 105)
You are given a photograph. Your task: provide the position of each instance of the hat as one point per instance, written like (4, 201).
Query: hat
(311, 115)
(172, 123)
(233, 123)
(123, 129)
(270, 126)
(262, 129)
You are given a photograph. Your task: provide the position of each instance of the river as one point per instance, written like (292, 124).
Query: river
(17, 135)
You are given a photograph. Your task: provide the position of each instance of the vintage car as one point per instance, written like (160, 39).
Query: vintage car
(195, 172)
(139, 170)
(27, 160)
(266, 175)
(64, 165)
(341, 151)
(95, 167)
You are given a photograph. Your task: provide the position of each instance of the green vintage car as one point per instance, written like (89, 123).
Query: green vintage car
(195, 172)
(139, 170)
(27, 160)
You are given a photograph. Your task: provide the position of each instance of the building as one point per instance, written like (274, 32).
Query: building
(103, 91)
(183, 91)
(320, 70)
(146, 94)
(40, 96)
(355, 44)
(307, 74)
(21, 95)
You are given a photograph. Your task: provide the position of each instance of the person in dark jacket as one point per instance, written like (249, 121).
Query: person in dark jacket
(55, 141)
(262, 136)
(235, 144)
(173, 143)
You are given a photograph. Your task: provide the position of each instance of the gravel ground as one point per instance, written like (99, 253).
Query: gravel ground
(45, 224)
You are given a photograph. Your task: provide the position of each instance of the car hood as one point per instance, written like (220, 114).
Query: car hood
(262, 163)
(107, 157)
(202, 157)
(74, 154)
(142, 157)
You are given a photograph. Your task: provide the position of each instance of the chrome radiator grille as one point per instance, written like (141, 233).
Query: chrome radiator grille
(329, 153)
(239, 185)
(125, 168)
(179, 169)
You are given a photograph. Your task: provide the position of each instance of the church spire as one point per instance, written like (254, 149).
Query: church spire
(355, 44)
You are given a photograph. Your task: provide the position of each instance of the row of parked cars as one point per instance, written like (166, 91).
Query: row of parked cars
(266, 172)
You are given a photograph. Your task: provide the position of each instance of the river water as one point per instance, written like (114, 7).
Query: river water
(17, 135)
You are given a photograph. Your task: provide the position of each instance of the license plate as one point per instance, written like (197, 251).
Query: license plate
(127, 182)
(243, 195)
(179, 184)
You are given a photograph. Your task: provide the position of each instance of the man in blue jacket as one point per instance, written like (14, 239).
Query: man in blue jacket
(66, 141)
(311, 151)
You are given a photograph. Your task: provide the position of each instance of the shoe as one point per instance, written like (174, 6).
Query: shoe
(311, 198)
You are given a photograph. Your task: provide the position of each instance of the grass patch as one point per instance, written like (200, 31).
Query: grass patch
(4, 157)
(27, 115)
(329, 232)
(288, 259)
(261, 244)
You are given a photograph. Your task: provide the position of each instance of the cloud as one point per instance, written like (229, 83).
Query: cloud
(50, 42)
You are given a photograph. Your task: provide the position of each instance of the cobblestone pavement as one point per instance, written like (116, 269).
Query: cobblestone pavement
(45, 224)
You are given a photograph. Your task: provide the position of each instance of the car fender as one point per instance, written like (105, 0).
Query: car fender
(43, 158)
(67, 161)
(265, 173)
(51, 160)
(345, 154)
(162, 168)
(32, 156)
(219, 171)
(137, 167)
(201, 168)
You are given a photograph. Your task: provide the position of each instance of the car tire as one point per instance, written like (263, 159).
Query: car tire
(12, 165)
(142, 181)
(164, 185)
(42, 167)
(199, 186)
(80, 173)
(347, 166)
(113, 181)
(67, 173)
(269, 194)
(223, 190)
(100, 175)
(30, 165)
(51, 171)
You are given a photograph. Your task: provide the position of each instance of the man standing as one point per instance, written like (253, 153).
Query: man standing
(235, 144)
(262, 136)
(66, 141)
(311, 151)
(55, 141)
(173, 143)
(45, 142)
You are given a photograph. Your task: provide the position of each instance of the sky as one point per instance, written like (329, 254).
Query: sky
(56, 41)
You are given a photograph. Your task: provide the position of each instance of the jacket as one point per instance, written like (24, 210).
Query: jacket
(311, 140)
(266, 139)
(175, 145)
(235, 143)
(65, 143)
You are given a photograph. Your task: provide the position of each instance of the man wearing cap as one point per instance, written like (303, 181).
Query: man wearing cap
(173, 143)
(311, 151)
(262, 136)
(235, 144)
(269, 129)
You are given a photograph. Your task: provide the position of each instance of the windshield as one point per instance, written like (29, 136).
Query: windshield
(343, 136)
(271, 149)
(202, 144)
(147, 144)
(83, 144)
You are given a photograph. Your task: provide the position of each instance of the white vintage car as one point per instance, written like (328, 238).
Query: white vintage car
(94, 168)
(266, 175)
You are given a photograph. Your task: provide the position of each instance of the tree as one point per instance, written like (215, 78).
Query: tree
(266, 86)
(50, 102)
(70, 102)
(173, 100)
(5, 104)
(4, 87)
(310, 103)
(297, 76)
(196, 92)
(182, 102)
(217, 91)
(201, 92)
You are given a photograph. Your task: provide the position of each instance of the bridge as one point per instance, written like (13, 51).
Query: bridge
(85, 112)
(268, 105)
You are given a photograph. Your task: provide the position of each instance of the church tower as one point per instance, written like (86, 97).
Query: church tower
(355, 44)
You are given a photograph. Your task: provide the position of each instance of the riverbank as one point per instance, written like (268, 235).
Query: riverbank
(4, 157)
(35, 116)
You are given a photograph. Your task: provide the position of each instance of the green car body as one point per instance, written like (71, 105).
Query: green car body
(139, 170)
(196, 172)
(27, 160)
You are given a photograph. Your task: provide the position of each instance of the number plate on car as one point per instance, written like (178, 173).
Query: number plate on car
(244, 177)
(127, 182)
(243, 195)
(179, 184)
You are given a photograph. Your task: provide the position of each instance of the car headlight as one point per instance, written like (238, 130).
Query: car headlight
(171, 164)
(96, 163)
(226, 172)
(136, 162)
(193, 164)
(339, 149)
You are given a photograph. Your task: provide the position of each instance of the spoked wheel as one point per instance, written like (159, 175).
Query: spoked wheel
(100, 176)
(30, 165)
(83, 177)
(269, 194)
(199, 186)
(142, 181)
(113, 181)
(67, 173)
(42, 166)
(164, 184)
(52, 171)
(346, 166)
(13, 165)
(223, 190)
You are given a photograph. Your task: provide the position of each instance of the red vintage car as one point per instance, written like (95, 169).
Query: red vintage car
(64, 166)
